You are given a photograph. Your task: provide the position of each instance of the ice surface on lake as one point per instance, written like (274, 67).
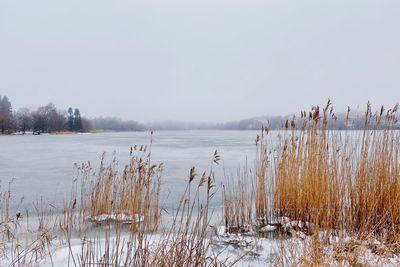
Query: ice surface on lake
(41, 167)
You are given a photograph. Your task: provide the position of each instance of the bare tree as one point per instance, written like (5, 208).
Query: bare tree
(23, 120)
(40, 122)
(56, 119)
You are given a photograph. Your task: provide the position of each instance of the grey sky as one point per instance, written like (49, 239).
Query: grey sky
(205, 60)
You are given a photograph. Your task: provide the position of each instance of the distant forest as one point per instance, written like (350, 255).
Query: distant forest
(50, 119)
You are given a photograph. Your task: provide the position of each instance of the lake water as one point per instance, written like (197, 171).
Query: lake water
(41, 167)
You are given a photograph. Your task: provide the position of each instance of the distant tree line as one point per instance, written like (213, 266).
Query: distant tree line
(116, 124)
(340, 121)
(50, 119)
(45, 119)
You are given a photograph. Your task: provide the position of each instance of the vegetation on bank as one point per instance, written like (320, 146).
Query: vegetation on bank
(50, 119)
(330, 186)
(45, 119)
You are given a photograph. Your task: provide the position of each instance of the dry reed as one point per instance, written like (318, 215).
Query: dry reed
(131, 195)
(339, 181)
(185, 243)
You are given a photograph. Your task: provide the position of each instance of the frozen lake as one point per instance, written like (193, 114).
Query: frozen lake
(41, 167)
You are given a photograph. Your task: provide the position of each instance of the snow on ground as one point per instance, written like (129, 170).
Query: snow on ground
(252, 250)
(247, 250)
(243, 249)
(268, 228)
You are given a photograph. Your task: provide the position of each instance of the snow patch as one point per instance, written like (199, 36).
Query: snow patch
(118, 218)
(268, 228)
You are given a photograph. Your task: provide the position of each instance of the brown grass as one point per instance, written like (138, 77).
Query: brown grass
(336, 180)
(184, 243)
(344, 181)
(246, 196)
(261, 193)
(239, 202)
(132, 192)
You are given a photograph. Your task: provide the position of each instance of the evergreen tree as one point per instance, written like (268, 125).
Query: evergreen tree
(70, 119)
(77, 120)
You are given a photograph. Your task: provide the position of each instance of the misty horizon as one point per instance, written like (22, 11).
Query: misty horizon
(199, 61)
(358, 110)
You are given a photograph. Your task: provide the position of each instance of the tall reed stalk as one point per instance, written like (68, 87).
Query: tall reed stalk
(346, 181)
(133, 193)
(341, 180)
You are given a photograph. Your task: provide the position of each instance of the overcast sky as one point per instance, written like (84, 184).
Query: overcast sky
(204, 60)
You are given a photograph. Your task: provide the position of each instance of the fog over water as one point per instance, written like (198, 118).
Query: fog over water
(199, 60)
